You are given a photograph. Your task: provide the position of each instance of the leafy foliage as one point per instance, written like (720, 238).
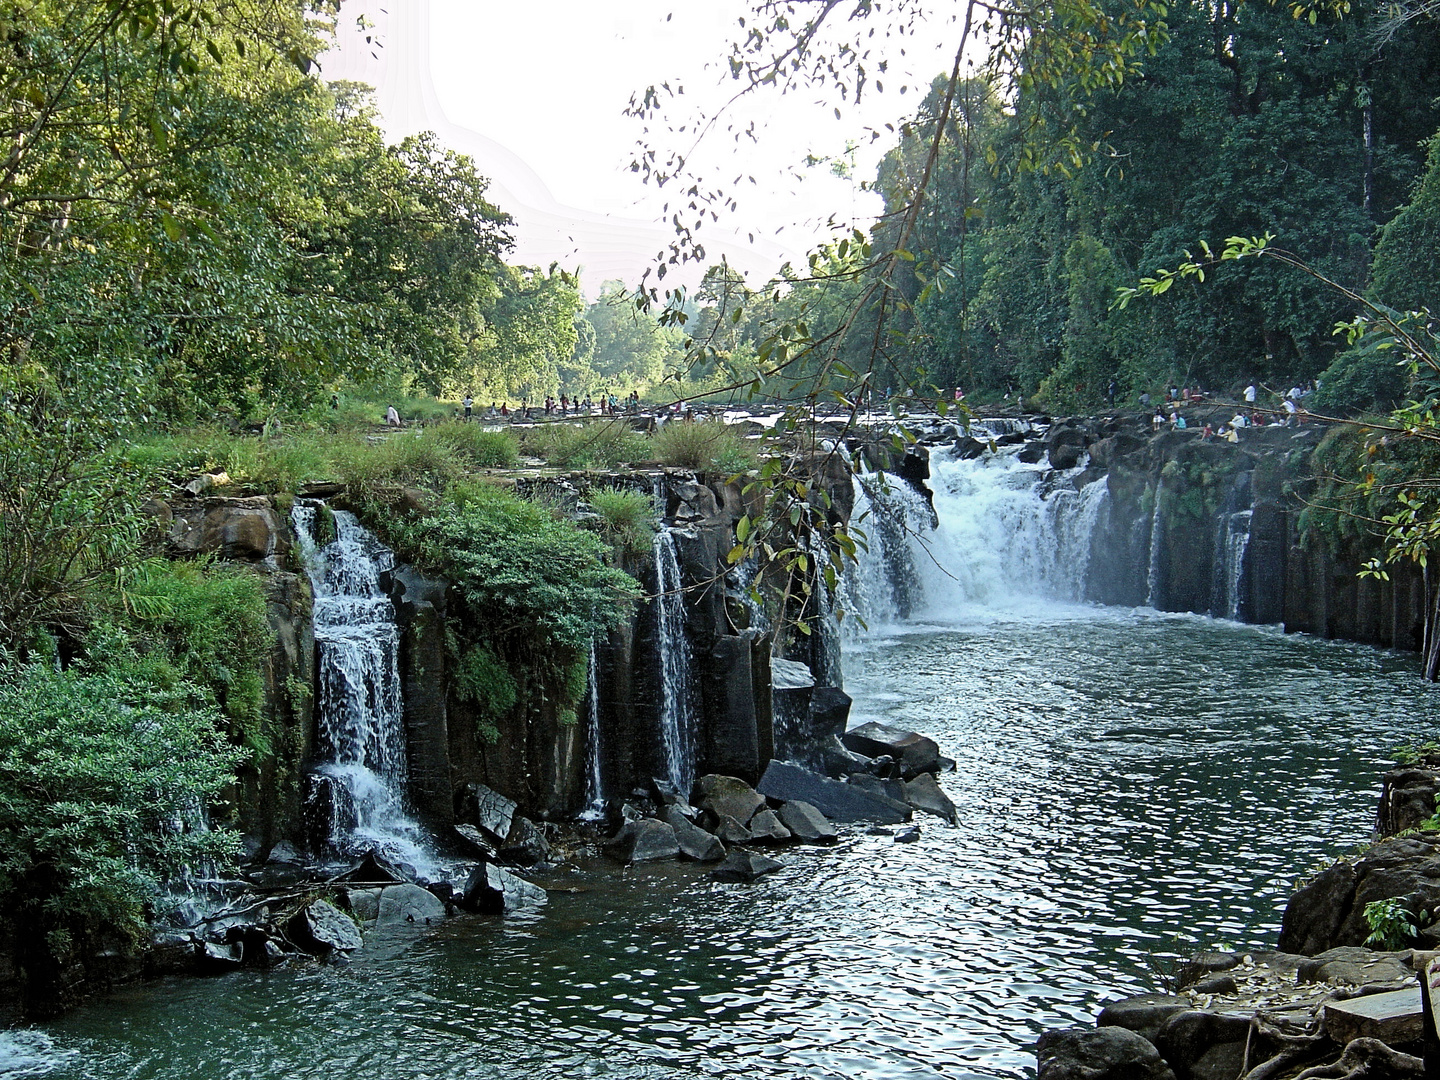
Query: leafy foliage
(711, 445)
(629, 517)
(1392, 926)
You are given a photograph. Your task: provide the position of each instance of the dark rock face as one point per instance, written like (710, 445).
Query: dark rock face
(526, 845)
(494, 890)
(744, 867)
(837, 801)
(1329, 911)
(1143, 1014)
(807, 824)
(923, 793)
(246, 530)
(645, 840)
(729, 796)
(420, 614)
(1107, 1053)
(1407, 798)
(915, 753)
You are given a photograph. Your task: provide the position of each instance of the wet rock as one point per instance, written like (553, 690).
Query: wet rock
(790, 675)
(271, 955)
(729, 796)
(732, 832)
(693, 841)
(907, 835)
(496, 891)
(667, 794)
(916, 753)
(1065, 457)
(807, 824)
(837, 801)
(890, 789)
(171, 953)
(645, 840)
(320, 927)
(473, 842)
(527, 845)
(1204, 1045)
(1031, 453)
(396, 907)
(968, 448)
(1143, 1014)
(494, 813)
(765, 828)
(1107, 1053)
(376, 868)
(216, 959)
(744, 867)
(924, 793)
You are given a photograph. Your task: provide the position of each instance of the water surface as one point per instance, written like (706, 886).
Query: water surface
(1131, 786)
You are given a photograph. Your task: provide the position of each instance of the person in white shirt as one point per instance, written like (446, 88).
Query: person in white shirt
(1250, 394)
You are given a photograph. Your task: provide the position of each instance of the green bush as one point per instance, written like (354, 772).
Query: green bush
(711, 445)
(482, 679)
(601, 445)
(629, 517)
(102, 774)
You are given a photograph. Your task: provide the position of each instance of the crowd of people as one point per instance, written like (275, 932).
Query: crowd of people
(1261, 407)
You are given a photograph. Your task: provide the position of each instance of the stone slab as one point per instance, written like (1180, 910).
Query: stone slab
(1394, 1018)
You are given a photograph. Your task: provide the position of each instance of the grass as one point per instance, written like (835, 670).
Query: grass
(629, 517)
(603, 445)
(711, 445)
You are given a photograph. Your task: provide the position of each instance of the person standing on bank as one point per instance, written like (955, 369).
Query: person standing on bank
(469, 404)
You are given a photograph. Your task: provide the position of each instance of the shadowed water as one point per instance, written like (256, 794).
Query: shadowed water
(1130, 785)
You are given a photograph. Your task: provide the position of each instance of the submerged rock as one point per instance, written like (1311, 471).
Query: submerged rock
(807, 824)
(729, 796)
(837, 801)
(924, 793)
(1107, 1053)
(744, 867)
(494, 890)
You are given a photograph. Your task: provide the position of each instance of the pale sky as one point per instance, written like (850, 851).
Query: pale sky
(535, 94)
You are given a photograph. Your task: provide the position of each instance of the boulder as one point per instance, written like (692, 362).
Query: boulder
(645, 840)
(526, 845)
(1066, 456)
(907, 835)
(1143, 1014)
(667, 794)
(1107, 1053)
(1032, 453)
(376, 868)
(924, 793)
(915, 753)
(1350, 965)
(732, 832)
(171, 952)
(320, 927)
(1330, 910)
(217, 959)
(396, 906)
(807, 824)
(495, 890)
(1201, 965)
(473, 842)
(890, 789)
(765, 828)
(836, 800)
(494, 813)
(1395, 1018)
(744, 867)
(693, 841)
(729, 796)
(1203, 1045)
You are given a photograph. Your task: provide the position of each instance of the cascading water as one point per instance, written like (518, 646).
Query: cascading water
(358, 789)
(594, 777)
(677, 704)
(1231, 544)
(1155, 565)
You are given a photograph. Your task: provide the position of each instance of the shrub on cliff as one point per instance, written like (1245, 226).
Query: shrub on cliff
(704, 446)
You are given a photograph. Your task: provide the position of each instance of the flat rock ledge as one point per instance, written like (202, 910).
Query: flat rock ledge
(1345, 1013)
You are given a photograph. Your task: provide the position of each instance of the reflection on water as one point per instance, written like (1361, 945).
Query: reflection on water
(1130, 785)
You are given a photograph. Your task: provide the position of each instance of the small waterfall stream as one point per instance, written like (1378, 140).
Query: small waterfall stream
(1231, 544)
(1154, 564)
(594, 776)
(359, 787)
(677, 692)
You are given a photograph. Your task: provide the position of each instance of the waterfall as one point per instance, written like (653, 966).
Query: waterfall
(1154, 566)
(358, 788)
(1228, 578)
(677, 704)
(594, 779)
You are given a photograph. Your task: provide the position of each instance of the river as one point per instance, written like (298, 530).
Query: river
(1131, 786)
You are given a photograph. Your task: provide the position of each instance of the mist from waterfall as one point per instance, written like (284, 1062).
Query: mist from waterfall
(359, 785)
